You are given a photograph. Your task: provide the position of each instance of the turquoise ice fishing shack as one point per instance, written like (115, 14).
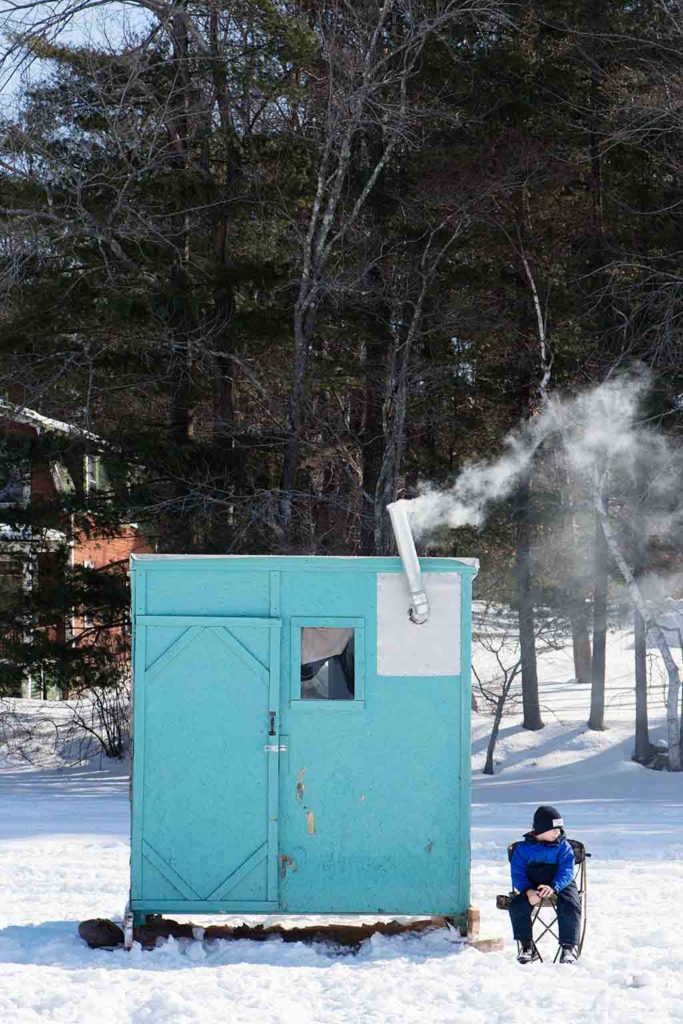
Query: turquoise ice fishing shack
(301, 734)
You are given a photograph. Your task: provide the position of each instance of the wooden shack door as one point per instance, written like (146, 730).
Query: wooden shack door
(206, 764)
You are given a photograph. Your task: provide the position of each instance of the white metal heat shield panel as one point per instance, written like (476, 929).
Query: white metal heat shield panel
(432, 649)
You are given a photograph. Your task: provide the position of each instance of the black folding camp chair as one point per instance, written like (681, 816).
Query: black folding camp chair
(544, 921)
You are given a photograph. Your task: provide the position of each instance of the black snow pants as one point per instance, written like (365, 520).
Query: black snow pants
(568, 916)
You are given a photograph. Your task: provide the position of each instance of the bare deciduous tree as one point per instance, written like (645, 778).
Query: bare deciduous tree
(657, 633)
(370, 53)
(502, 665)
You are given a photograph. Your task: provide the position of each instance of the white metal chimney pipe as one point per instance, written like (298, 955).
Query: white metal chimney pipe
(398, 513)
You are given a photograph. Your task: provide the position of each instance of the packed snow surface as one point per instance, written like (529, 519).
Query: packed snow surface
(64, 857)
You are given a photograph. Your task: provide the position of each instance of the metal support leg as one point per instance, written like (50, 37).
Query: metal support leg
(128, 928)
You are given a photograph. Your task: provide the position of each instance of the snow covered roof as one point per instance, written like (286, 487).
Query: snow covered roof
(22, 414)
(26, 534)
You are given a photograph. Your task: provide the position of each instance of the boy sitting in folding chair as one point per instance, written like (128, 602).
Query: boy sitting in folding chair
(542, 866)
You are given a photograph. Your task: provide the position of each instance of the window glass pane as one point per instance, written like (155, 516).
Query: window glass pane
(15, 470)
(327, 663)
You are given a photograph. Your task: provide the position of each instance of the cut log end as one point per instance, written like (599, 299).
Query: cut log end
(99, 933)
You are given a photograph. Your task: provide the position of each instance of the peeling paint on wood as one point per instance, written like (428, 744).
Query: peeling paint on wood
(310, 823)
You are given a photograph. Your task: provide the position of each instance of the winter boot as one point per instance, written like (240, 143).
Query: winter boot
(526, 953)
(568, 955)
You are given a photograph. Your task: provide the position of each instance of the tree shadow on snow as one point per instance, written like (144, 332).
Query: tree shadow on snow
(71, 801)
(555, 742)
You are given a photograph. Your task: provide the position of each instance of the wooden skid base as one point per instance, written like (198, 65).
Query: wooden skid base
(103, 934)
(492, 945)
(336, 934)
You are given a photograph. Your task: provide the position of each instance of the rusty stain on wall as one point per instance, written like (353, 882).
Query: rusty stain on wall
(286, 862)
(310, 816)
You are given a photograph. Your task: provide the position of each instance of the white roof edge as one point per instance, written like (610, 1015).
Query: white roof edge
(473, 562)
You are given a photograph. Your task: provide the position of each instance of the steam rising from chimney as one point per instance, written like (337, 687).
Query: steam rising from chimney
(598, 429)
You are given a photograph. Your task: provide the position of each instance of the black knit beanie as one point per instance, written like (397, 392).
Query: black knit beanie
(545, 818)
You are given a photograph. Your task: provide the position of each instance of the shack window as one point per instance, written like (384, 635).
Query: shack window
(327, 663)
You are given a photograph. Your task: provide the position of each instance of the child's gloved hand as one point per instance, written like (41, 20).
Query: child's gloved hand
(545, 890)
(533, 897)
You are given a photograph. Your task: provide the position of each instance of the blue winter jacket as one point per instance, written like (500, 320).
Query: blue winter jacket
(535, 862)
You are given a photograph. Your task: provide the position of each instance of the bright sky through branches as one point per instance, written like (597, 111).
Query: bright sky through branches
(103, 24)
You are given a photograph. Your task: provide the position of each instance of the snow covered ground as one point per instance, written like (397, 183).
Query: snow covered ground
(64, 857)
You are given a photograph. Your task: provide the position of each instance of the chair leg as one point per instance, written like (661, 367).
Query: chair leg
(583, 892)
(549, 926)
(542, 928)
(535, 921)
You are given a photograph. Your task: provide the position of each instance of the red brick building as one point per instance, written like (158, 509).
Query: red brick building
(26, 552)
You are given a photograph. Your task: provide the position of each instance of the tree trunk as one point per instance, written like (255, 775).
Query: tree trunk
(674, 687)
(394, 414)
(527, 631)
(227, 186)
(680, 710)
(577, 605)
(412, 313)
(581, 643)
(178, 526)
(304, 323)
(490, 750)
(596, 718)
(372, 438)
(497, 719)
(643, 747)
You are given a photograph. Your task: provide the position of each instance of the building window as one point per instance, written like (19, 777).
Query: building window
(88, 622)
(13, 577)
(15, 471)
(328, 662)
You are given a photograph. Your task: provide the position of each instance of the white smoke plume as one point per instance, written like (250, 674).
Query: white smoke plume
(600, 430)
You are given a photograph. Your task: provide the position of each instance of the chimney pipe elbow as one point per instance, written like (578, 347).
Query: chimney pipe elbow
(419, 602)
